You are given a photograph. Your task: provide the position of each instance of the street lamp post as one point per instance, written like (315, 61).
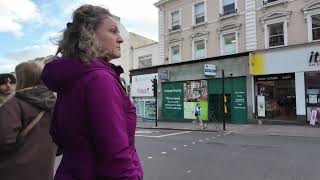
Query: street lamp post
(155, 94)
(224, 103)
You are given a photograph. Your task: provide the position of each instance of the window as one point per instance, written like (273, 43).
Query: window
(229, 43)
(315, 27)
(175, 20)
(145, 61)
(199, 13)
(199, 49)
(268, 1)
(276, 34)
(175, 54)
(229, 7)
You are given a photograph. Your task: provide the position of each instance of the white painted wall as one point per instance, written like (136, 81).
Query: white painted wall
(300, 93)
(152, 49)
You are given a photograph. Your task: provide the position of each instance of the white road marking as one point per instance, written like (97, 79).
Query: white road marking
(174, 149)
(213, 137)
(193, 142)
(207, 139)
(185, 145)
(200, 140)
(149, 157)
(189, 171)
(163, 152)
(165, 135)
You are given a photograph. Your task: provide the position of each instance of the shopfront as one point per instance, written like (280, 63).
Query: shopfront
(191, 84)
(287, 83)
(142, 95)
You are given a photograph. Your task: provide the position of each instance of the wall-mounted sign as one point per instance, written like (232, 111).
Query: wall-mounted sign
(314, 59)
(164, 75)
(275, 77)
(210, 70)
(142, 85)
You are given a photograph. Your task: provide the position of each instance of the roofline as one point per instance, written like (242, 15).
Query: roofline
(159, 3)
(193, 61)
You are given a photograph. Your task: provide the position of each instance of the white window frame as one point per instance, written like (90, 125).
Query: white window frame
(170, 20)
(309, 22)
(285, 33)
(145, 57)
(205, 47)
(170, 52)
(221, 2)
(193, 13)
(222, 42)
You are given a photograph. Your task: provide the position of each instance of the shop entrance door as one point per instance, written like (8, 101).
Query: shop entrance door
(216, 108)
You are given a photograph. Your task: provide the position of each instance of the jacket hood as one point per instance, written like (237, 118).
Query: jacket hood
(39, 96)
(61, 73)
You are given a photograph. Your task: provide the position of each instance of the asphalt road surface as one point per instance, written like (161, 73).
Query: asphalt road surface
(190, 155)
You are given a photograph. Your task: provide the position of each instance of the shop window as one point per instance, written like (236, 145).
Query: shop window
(199, 49)
(276, 35)
(313, 97)
(199, 15)
(145, 61)
(175, 54)
(279, 96)
(315, 27)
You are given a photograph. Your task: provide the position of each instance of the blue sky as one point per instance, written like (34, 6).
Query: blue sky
(26, 26)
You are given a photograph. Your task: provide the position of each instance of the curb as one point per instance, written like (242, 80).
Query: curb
(181, 129)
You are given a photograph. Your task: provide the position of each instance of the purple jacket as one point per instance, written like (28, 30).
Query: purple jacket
(94, 122)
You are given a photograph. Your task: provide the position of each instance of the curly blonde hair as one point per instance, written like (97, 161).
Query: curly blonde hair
(79, 39)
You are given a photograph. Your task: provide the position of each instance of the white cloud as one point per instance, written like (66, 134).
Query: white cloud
(140, 17)
(15, 12)
(32, 52)
(8, 63)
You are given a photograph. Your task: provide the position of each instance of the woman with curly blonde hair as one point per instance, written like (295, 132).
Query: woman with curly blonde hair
(94, 120)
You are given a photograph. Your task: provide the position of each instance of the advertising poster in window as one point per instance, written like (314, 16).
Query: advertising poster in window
(195, 92)
(150, 110)
(172, 100)
(139, 108)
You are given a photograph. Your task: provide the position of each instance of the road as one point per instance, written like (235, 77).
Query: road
(193, 155)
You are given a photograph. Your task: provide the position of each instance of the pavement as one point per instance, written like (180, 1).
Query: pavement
(254, 129)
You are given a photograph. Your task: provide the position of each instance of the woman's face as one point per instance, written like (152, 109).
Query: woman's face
(109, 36)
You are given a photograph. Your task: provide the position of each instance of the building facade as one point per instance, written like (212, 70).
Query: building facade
(276, 33)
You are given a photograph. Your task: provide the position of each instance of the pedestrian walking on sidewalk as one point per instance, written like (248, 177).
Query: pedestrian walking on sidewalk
(7, 86)
(94, 119)
(198, 120)
(26, 148)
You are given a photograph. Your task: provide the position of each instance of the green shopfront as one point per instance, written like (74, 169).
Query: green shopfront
(186, 86)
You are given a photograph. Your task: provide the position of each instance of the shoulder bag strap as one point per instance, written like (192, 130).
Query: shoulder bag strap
(32, 124)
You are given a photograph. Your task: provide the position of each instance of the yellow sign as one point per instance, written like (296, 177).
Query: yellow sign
(257, 63)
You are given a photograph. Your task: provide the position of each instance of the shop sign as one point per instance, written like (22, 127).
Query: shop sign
(275, 77)
(210, 70)
(164, 75)
(172, 100)
(142, 85)
(240, 100)
(314, 59)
